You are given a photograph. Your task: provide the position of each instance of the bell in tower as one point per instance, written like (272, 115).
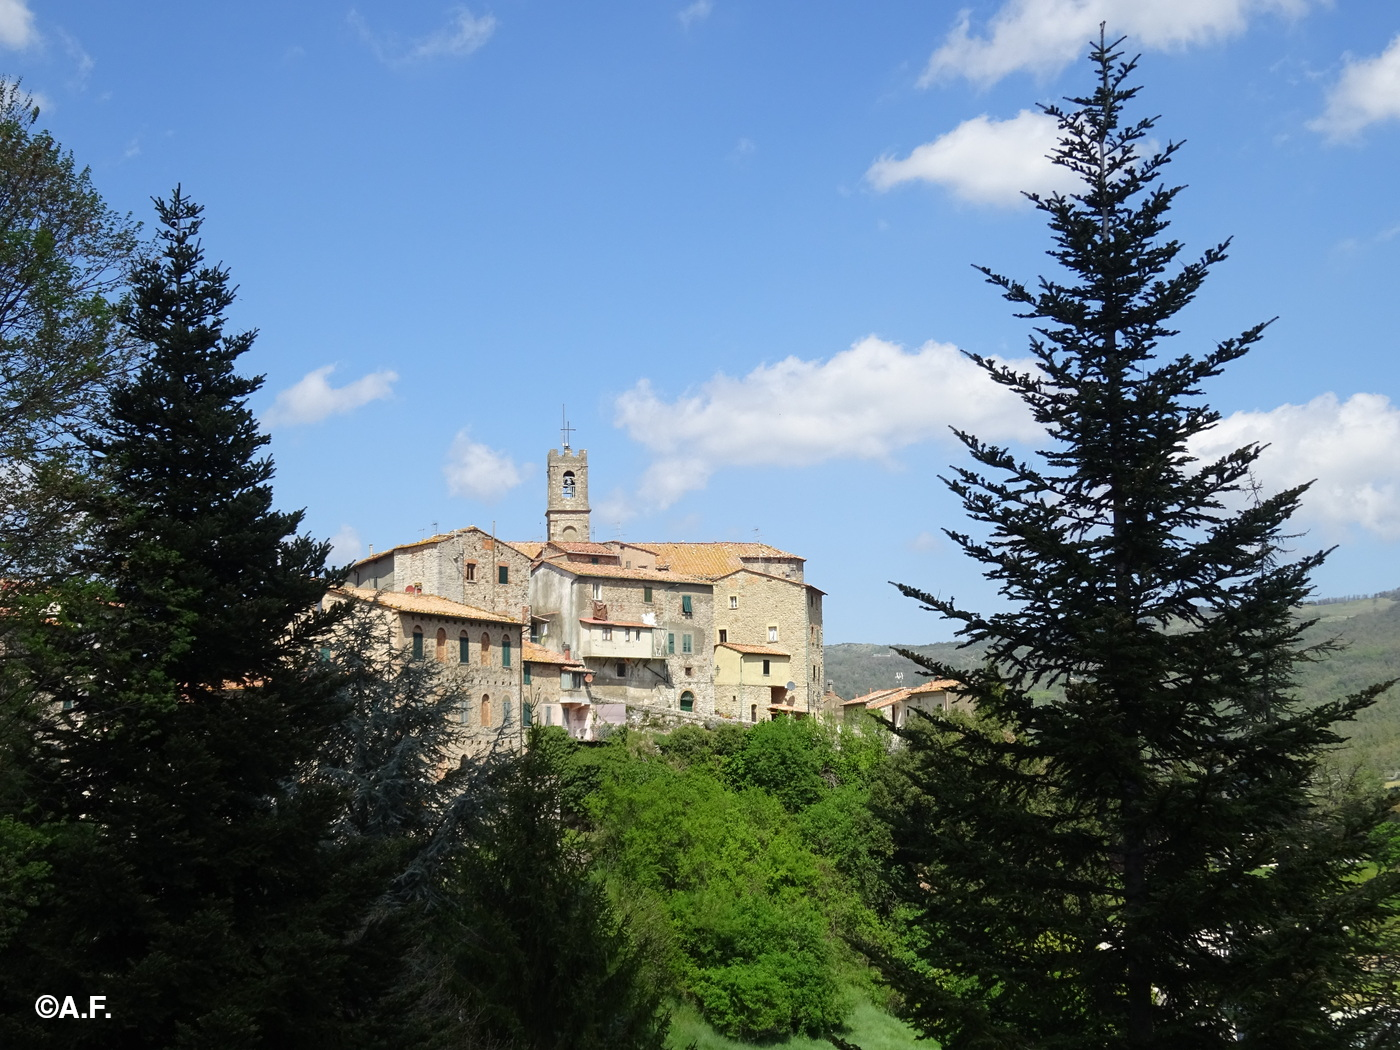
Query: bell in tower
(566, 514)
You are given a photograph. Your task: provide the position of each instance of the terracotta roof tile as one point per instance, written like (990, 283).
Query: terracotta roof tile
(583, 548)
(538, 654)
(711, 559)
(758, 650)
(422, 604)
(617, 572)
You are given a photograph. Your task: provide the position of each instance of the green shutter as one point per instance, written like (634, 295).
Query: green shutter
(527, 682)
(418, 645)
(685, 604)
(505, 651)
(671, 643)
(463, 650)
(503, 573)
(646, 594)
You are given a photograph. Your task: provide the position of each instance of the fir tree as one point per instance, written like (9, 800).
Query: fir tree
(1148, 861)
(196, 880)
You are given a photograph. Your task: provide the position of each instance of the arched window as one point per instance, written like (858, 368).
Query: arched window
(485, 710)
(463, 649)
(440, 650)
(505, 712)
(687, 701)
(485, 648)
(417, 643)
(568, 484)
(505, 650)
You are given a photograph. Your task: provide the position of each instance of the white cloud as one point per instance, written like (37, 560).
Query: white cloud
(1368, 92)
(864, 403)
(346, 546)
(616, 508)
(984, 161)
(478, 472)
(463, 34)
(16, 25)
(37, 98)
(1351, 448)
(1044, 36)
(926, 542)
(696, 12)
(312, 399)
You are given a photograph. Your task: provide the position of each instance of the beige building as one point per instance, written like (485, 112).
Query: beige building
(481, 653)
(623, 630)
(469, 566)
(938, 695)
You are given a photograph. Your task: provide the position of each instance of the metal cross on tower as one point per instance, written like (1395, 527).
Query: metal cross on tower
(565, 428)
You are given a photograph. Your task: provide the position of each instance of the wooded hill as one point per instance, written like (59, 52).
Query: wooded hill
(1367, 628)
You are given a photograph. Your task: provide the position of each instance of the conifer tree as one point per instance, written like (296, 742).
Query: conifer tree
(195, 878)
(1146, 861)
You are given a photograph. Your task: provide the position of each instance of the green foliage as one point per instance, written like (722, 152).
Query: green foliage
(543, 961)
(745, 847)
(1144, 859)
(193, 880)
(23, 873)
(62, 257)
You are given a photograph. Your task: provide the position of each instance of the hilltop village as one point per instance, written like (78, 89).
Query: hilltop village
(583, 634)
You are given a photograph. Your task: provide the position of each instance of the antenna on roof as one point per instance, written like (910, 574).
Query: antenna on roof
(564, 427)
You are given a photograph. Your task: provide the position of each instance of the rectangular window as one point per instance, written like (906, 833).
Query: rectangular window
(578, 679)
(685, 643)
(505, 651)
(621, 670)
(686, 608)
(597, 592)
(723, 636)
(670, 643)
(469, 572)
(503, 574)
(527, 682)
(767, 666)
(594, 559)
(607, 634)
(627, 634)
(734, 601)
(646, 594)
(463, 649)
(772, 634)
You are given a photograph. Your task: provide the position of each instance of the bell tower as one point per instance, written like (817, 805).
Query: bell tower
(566, 514)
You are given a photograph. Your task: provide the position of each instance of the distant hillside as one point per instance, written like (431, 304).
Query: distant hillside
(1368, 627)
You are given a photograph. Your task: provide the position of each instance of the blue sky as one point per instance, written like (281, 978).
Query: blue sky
(735, 238)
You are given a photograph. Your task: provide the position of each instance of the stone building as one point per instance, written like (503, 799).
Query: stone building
(622, 630)
(469, 566)
(481, 651)
(938, 695)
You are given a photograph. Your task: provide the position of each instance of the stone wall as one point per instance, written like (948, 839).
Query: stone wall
(748, 604)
